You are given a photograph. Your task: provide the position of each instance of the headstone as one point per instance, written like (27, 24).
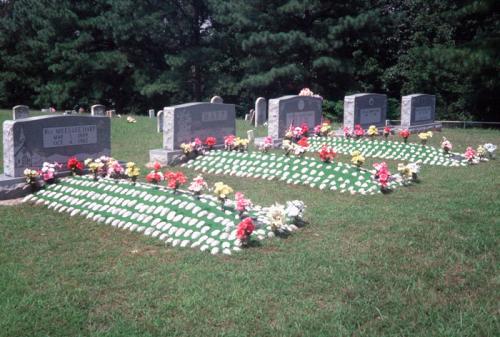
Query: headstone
(183, 123)
(260, 111)
(293, 110)
(216, 99)
(151, 113)
(29, 142)
(418, 112)
(251, 136)
(110, 113)
(159, 121)
(365, 109)
(20, 112)
(98, 110)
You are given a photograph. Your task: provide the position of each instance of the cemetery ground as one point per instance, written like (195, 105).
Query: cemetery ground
(422, 260)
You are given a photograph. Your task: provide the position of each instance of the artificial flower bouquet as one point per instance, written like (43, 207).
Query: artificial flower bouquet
(405, 133)
(74, 165)
(490, 149)
(327, 154)
(266, 145)
(132, 171)
(358, 131)
(155, 176)
(175, 179)
(382, 174)
(446, 145)
(115, 170)
(244, 230)
(222, 191)
(323, 129)
(210, 142)
(31, 176)
(425, 136)
(372, 131)
(95, 166)
(197, 186)
(48, 172)
(357, 158)
(387, 132)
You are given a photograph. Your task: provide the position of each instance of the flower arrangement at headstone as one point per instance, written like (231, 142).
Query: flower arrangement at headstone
(210, 142)
(387, 132)
(155, 176)
(241, 203)
(95, 167)
(358, 131)
(295, 133)
(267, 144)
(424, 137)
(31, 177)
(74, 165)
(446, 145)
(481, 152)
(133, 171)
(48, 172)
(372, 131)
(323, 129)
(175, 179)
(347, 132)
(114, 169)
(308, 92)
(405, 133)
(327, 154)
(297, 149)
(192, 149)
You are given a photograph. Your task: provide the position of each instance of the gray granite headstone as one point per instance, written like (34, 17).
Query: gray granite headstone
(216, 99)
(29, 142)
(183, 123)
(159, 121)
(20, 112)
(260, 111)
(293, 110)
(151, 113)
(98, 110)
(418, 112)
(365, 109)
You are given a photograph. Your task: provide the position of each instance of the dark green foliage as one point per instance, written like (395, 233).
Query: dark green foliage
(136, 55)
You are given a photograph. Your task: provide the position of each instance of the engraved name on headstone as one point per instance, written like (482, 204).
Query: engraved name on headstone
(293, 110)
(30, 142)
(365, 109)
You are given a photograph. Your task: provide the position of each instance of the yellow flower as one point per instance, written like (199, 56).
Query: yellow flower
(481, 151)
(372, 130)
(132, 170)
(425, 135)
(404, 170)
(186, 148)
(222, 190)
(325, 128)
(357, 158)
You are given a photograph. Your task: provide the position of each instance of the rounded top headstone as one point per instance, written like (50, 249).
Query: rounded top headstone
(216, 99)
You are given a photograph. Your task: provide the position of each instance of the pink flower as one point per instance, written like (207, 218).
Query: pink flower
(358, 130)
(197, 142)
(470, 153)
(347, 131)
(245, 229)
(268, 140)
(241, 202)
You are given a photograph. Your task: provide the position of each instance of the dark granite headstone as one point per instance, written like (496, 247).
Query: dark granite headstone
(29, 142)
(365, 109)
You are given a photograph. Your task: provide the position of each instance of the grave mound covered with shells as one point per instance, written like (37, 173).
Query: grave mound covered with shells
(336, 176)
(177, 218)
(388, 149)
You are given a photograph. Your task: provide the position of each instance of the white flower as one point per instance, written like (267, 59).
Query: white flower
(414, 168)
(295, 208)
(490, 147)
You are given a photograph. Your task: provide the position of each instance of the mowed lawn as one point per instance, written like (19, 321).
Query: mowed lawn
(422, 261)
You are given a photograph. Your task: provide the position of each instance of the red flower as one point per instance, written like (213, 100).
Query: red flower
(175, 179)
(210, 141)
(326, 154)
(303, 142)
(154, 177)
(387, 130)
(245, 229)
(156, 166)
(404, 133)
(305, 128)
(358, 130)
(73, 164)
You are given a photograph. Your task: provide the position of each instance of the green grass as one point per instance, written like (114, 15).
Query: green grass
(422, 261)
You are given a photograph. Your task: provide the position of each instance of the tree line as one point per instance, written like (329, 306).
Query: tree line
(133, 55)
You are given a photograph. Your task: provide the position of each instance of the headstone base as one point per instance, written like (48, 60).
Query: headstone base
(421, 128)
(171, 157)
(276, 142)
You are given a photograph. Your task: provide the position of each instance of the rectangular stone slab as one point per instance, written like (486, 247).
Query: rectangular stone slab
(293, 110)
(417, 109)
(365, 109)
(29, 142)
(183, 123)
